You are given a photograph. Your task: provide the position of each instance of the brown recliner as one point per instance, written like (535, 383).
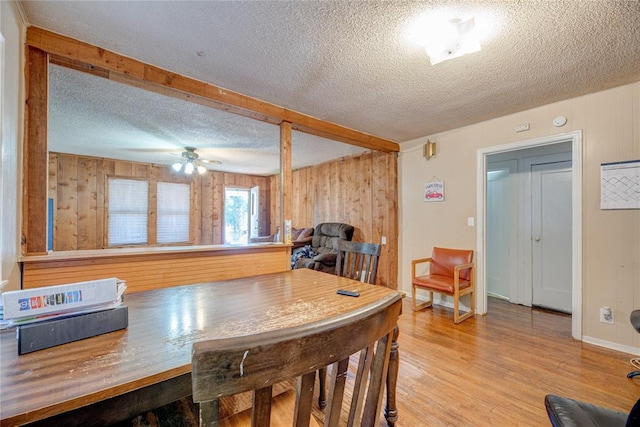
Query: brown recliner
(325, 246)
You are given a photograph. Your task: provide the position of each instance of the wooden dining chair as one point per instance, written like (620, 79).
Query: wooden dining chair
(222, 367)
(358, 260)
(451, 272)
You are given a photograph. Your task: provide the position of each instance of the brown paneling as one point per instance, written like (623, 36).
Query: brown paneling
(156, 270)
(66, 225)
(78, 186)
(86, 203)
(361, 191)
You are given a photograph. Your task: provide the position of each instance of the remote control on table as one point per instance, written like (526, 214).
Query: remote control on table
(348, 293)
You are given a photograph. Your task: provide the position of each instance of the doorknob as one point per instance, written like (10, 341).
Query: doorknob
(537, 240)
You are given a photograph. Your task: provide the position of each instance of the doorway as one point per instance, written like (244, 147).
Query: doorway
(236, 216)
(495, 182)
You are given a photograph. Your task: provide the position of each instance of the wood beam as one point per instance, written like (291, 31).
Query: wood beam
(234, 102)
(35, 155)
(286, 178)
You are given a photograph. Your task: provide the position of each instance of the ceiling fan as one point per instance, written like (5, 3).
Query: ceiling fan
(191, 161)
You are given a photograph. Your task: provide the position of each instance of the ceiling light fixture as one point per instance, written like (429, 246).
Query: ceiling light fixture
(444, 37)
(189, 162)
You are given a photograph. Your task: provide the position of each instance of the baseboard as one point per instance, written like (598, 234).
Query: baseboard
(589, 340)
(612, 345)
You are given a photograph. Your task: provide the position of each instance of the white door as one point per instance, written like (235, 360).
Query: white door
(254, 216)
(501, 223)
(551, 235)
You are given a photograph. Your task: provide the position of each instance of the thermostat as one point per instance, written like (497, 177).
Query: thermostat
(560, 121)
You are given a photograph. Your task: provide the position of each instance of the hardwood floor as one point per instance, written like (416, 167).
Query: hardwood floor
(495, 370)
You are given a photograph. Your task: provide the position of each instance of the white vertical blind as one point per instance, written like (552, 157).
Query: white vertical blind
(128, 211)
(174, 201)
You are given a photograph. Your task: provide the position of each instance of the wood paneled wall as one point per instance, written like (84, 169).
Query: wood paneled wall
(361, 191)
(77, 186)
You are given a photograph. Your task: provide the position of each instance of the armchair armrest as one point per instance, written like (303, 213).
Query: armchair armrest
(416, 262)
(456, 274)
(326, 258)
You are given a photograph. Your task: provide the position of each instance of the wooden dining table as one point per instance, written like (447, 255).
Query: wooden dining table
(111, 377)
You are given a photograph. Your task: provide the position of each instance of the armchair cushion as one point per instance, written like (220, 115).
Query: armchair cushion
(439, 283)
(302, 234)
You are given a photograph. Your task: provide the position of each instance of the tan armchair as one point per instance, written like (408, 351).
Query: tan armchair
(451, 272)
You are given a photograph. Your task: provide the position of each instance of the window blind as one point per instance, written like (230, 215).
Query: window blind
(174, 203)
(128, 211)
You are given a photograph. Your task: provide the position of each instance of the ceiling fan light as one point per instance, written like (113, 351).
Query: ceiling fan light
(188, 169)
(177, 166)
(201, 169)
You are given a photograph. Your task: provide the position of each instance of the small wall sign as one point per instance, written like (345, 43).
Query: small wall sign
(434, 190)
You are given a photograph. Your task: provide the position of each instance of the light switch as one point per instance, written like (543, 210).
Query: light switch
(384, 240)
(470, 221)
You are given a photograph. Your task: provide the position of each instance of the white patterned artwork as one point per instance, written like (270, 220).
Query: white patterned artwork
(620, 185)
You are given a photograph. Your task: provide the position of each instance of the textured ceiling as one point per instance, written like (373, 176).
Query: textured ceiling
(344, 62)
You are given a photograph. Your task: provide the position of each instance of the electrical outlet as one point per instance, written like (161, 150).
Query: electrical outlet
(384, 240)
(606, 315)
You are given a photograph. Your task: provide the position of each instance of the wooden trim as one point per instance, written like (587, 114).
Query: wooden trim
(34, 187)
(74, 53)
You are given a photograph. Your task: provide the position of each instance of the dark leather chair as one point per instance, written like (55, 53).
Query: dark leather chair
(325, 246)
(565, 412)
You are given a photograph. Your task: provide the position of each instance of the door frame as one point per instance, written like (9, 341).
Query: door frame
(575, 138)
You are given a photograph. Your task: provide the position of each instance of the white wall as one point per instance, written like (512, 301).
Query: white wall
(11, 79)
(610, 122)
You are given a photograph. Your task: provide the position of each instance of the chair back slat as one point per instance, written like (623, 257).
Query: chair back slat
(261, 407)
(223, 367)
(358, 260)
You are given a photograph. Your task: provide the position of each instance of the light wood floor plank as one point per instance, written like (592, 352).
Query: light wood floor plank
(496, 369)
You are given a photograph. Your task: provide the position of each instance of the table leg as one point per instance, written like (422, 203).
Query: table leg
(391, 410)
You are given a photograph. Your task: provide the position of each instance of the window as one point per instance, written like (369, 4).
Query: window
(128, 211)
(174, 202)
